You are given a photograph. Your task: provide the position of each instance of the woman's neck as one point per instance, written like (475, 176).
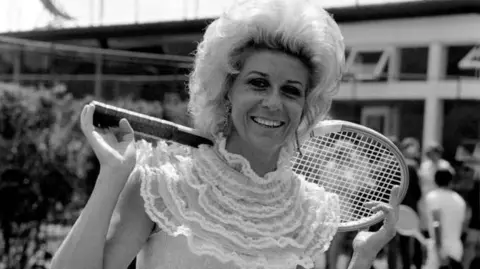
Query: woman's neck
(261, 161)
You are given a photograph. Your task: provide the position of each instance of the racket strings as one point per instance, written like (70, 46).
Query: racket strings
(356, 167)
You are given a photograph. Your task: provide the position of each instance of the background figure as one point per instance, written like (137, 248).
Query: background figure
(410, 248)
(410, 148)
(452, 212)
(429, 166)
(393, 245)
(472, 242)
(432, 163)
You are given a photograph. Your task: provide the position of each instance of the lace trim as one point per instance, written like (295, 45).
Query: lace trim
(236, 160)
(220, 210)
(236, 184)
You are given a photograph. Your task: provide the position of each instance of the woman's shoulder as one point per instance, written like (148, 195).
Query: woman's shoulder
(153, 155)
(161, 167)
(323, 204)
(157, 161)
(322, 210)
(317, 194)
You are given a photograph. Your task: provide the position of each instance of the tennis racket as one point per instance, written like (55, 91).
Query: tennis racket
(354, 162)
(408, 224)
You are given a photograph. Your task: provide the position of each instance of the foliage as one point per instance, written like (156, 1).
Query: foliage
(47, 170)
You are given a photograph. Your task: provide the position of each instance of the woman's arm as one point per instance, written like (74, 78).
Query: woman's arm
(360, 261)
(98, 240)
(110, 230)
(367, 245)
(357, 261)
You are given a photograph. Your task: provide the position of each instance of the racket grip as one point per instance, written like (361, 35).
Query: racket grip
(106, 116)
(419, 236)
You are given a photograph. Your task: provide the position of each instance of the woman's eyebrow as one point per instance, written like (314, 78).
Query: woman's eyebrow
(290, 81)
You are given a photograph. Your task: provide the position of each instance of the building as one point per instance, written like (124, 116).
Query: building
(412, 67)
(415, 71)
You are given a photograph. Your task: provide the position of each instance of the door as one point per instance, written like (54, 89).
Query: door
(383, 119)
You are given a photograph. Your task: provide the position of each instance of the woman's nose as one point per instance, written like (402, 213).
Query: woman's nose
(273, 99)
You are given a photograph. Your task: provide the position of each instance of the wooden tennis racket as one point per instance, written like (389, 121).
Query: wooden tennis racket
(408, 224)
(354, 162)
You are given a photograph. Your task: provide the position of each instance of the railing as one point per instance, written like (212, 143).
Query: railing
(111, 73)
(86, 70)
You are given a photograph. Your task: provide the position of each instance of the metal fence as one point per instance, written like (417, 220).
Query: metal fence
(104, 73)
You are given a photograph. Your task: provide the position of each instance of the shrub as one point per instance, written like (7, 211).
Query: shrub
(47, 170)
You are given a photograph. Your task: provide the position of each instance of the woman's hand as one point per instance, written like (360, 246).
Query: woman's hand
(114, 148)
(368, 244)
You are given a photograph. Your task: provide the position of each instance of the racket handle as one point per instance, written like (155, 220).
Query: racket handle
(106, 116)
(419, 236)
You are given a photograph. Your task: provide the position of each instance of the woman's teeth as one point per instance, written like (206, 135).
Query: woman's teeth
(267, 123)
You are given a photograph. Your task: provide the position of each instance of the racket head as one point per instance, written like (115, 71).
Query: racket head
(408, 221)
(356, 163)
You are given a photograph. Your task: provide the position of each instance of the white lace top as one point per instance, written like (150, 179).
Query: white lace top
(215, 212)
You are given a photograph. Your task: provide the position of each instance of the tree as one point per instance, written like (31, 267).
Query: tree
(47, 169)
(39, 167)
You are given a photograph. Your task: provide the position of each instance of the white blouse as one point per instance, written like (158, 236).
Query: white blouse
(215, 212)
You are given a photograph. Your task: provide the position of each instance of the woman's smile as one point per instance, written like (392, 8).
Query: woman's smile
(267, 123)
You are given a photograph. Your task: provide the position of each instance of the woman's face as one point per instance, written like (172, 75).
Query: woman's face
(267, 98)
(412, 151)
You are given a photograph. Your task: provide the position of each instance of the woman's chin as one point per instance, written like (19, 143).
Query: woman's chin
(266, 144)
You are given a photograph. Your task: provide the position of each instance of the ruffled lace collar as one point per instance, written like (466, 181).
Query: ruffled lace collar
(227, 211)
(241, 164)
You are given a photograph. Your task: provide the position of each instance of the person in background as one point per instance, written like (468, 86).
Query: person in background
(429, 166)
(451, 208)
(411, 249)
(472, 241)
(410, 148)
(432, 163)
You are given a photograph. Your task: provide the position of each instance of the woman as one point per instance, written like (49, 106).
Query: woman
(264, 75)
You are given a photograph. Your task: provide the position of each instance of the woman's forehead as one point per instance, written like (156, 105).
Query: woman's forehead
(275, 64)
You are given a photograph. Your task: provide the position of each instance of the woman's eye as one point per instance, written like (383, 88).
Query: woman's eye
(259, 83)
(292, 91)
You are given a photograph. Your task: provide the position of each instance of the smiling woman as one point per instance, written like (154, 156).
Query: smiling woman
(264, 76)
(267, 102)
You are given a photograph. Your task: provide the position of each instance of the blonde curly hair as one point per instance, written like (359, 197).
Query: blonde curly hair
(297, 27)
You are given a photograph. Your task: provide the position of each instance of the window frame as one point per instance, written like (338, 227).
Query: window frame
(379, 66)
(469, 61)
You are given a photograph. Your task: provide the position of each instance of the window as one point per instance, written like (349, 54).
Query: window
(471, 60)
(413, 63)
(462, 61)
(368, 64)
(382, 119)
